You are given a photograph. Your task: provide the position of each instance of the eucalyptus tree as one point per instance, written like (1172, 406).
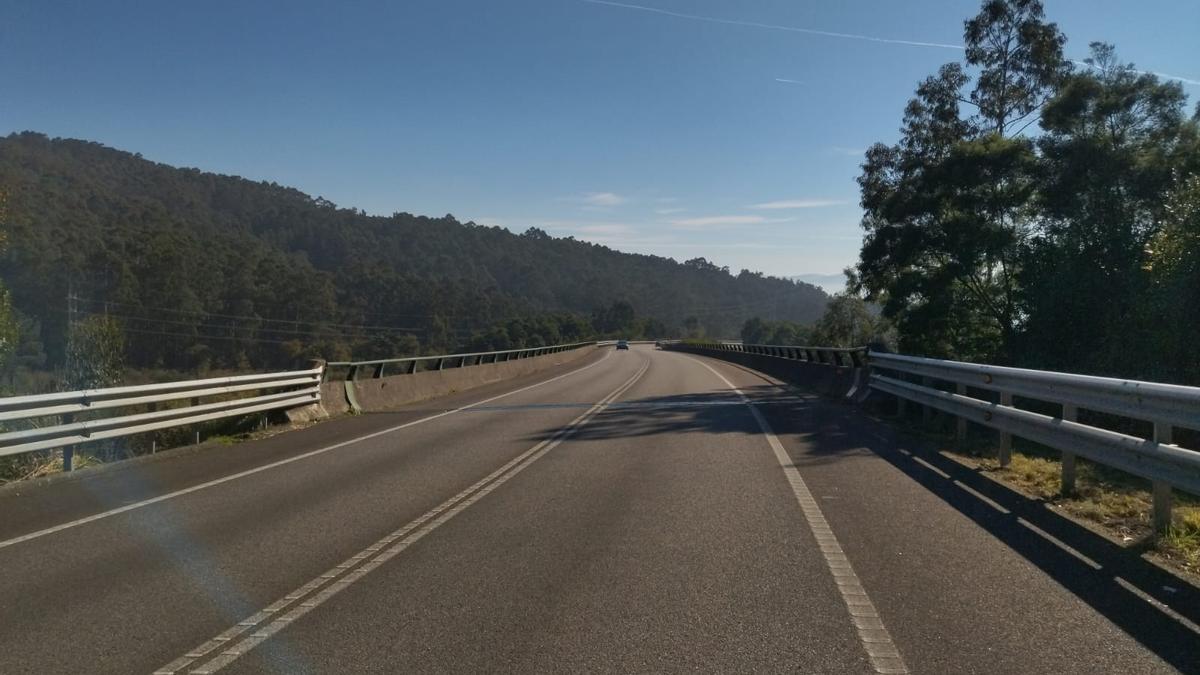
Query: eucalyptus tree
(947, 206)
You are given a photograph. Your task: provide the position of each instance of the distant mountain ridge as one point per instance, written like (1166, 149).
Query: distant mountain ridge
(830, 283)
(217, 269)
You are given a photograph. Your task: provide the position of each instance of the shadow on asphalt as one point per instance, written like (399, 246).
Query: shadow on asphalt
(834, 431)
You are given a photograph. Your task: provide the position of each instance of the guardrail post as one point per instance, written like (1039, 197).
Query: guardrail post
(1005, 455)
(412, 366)
(379, 370)
(1161, 515)
(960, 427)
(353, 374)
(68, 451)
(441, 362)
(1069, 414)
(926, 410)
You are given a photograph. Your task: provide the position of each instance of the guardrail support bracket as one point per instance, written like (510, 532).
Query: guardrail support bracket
(960, 426)
(1161, 515)
(1069, 414)
(1005, 455)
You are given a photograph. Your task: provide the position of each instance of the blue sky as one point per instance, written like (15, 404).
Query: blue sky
(735, 137)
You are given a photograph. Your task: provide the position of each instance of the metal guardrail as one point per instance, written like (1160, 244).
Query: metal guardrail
(61, 427)
(1165, 406)
(412, 364)
(851, 357)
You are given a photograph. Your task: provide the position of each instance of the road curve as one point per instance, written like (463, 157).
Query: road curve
(626, 512)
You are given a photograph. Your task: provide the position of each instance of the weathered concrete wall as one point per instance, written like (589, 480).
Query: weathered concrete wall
(397, 390)
(820, 378)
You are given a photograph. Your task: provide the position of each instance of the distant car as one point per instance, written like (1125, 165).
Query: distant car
(658, 344)
(622, 344)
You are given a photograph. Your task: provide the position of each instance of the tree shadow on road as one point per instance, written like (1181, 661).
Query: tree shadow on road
(1122, 589)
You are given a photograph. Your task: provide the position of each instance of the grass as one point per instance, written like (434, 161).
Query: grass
(39, 465)
(1180, 544)
(1120, 504)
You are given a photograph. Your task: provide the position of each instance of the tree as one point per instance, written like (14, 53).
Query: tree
(946, 207)
(1173, 266)
(1114, 138)
(204, 270)
(95, 354)
(755, 331)
(1020, 60)
(8, 323)
(617, 318)
(848, 322)
(758, 331)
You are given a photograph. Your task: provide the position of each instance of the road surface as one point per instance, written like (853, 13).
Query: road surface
(628, 512)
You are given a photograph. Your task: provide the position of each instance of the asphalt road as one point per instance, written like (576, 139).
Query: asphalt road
(627, 512)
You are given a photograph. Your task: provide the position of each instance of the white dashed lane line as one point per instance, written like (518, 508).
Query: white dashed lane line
(873, 635)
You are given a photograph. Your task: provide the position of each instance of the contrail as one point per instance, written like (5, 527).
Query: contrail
(769, 26)
(784, 79)
(826, 33)
(1168, 76)
(1165, 76)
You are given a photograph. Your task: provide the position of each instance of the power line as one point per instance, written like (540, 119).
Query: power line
(312, 336)
(252, 318)
(205, 337)
(263, 329)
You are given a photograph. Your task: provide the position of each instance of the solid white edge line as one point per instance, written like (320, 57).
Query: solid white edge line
(273, 465)
(354, 568)
(872, 634)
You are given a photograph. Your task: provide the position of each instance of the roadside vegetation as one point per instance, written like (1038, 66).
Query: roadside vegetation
(1116, 503)
(1037, 211)
(1045, 213)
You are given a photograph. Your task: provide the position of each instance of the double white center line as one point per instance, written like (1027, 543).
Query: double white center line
(226, 648)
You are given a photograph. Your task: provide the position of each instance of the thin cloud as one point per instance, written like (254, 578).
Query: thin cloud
(667, 212)
(717, 222)
(604, 229)
(769, 26)
(710, 221)
(797, 204)
(603, 199)
(787, 81)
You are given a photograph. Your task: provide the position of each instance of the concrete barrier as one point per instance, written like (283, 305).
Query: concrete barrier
(339, 398)
(820, 378)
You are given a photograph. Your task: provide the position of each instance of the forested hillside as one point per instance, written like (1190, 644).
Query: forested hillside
(197, 270)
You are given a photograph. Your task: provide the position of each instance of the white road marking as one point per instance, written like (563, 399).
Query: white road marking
(1150, 600)
(1059, 543)
(274, 465)
(981, 497)
(265, 623)
(875, 639)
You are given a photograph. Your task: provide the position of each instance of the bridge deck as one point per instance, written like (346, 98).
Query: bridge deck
(539, 531)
